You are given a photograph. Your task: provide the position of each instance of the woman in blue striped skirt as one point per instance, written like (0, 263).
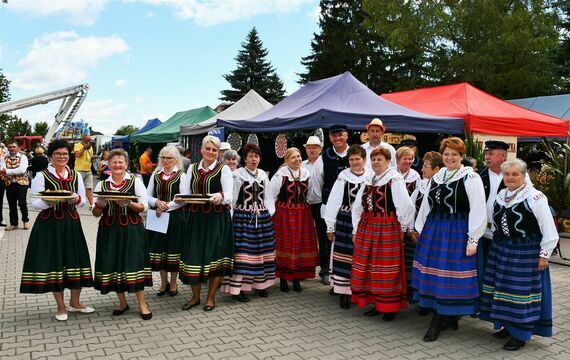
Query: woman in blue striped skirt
(254, 251)
(516, 294)
(451, 220)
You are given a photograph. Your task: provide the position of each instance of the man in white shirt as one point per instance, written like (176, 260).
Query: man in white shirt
(325, 172)
(313, 148)
(15, 173)
(376, 130)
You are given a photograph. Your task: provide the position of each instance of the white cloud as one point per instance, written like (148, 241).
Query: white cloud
(105, 115)
(62, 58)
(120, 82)
(213, 12)
(149, 14)
(80, 12)
(139, 100)
(315, 14)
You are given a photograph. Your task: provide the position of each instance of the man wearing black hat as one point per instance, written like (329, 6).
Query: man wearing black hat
(418, 162)
(495, 155)
(325, 172)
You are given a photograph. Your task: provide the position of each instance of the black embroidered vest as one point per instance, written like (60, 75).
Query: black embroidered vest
(332, 166)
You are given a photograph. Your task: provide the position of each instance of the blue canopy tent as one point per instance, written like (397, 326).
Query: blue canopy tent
(341, 99)
(555, 105)
(125, 140)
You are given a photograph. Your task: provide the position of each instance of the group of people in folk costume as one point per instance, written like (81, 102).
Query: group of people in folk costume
(385, 235)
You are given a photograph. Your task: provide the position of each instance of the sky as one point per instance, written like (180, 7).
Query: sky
(143, 58)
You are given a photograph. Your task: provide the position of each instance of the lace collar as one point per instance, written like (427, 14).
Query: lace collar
(439, 178)
(244, 174)
(390, 174)
(524, 194)
(284, 171)
(411, 176)
(351, 177)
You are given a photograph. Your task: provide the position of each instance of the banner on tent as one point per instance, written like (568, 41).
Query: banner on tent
(511, 140)
(217, 132)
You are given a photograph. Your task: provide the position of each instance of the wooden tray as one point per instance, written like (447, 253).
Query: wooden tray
(57, 193)
(54, 198)
(117, 197)
(193, 198)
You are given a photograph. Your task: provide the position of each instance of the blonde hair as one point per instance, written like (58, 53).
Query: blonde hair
(212, 139)
(404, 150)
(288, 154)
(169, 151)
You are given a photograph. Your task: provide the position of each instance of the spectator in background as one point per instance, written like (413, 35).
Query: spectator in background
(231, 159)
(185, 160)
(14, 170)
(103, 167)
(3, 153)
(376, 131)
(39, 162)
(413, 144)
(146, 165)
(83, 153)
(225, 146)
(469, 161)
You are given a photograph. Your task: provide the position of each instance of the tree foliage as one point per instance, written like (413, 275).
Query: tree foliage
(126, 130)
(18, 127)
(344, 44)
(40, 128)
(504, 47)
(253, 71)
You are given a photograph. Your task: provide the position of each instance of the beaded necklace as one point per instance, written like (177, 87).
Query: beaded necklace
(445, 178)
(510, 198)
(380, 177)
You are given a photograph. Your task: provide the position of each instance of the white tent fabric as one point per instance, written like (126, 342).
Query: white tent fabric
(250, 105)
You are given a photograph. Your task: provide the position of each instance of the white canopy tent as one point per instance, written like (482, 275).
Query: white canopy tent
(250, 105)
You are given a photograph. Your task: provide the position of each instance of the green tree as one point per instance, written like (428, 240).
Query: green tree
(18, 127)
(40, 128)
(503, 47)
(253, 72)
(4, 96)
(126, 130)
(561, 56)
(344, 44)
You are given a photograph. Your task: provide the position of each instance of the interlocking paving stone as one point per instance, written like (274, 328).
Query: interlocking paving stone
(306, 325)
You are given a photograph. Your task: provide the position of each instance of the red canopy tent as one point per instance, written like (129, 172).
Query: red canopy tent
(483, 113)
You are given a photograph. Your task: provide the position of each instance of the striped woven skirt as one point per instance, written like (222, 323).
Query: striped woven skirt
(515, 294)
(209, 248)
(378, 273)
(165, 248)
(409, 254)
(254, 253)
(122, 261)
(296, 252)
(56, 256)
(444, 277)
(341, 254)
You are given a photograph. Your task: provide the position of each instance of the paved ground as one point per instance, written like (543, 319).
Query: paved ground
(308, 325)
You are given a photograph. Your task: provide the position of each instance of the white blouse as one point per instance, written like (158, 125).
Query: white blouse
(285, 171)
(242, 174)
(172, 205)
(38, 184)
(538, 203)
(405, 209)
(226, 179)
(422, 187)
(337, 195)
(412, 176)
(477, 220)
(140, 190)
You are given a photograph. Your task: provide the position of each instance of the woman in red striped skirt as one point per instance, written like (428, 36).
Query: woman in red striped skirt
(381, 211)
(295, 234)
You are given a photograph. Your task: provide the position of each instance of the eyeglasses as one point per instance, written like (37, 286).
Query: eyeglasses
(426, 166)
(61, 155)
(166, 158)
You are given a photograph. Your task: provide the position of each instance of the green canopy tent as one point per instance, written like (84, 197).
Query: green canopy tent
(169, 131)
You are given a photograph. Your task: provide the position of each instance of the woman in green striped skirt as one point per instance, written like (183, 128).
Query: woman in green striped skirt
(208, 253)
(122, 262)
(57, 256)
(165, 182)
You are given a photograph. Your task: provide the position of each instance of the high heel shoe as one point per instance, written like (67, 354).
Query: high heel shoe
(283, 285)
(297, 286)
(242, 297)
(118, 312)
(344, 301)
(172, 292)
(163, 292)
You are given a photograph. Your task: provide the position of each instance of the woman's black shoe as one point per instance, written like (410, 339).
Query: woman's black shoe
(118, 312)
(242, 297)
(502, 334)
(147, 316)
(262, 293)
(449, 322)
(372, 312)
(389, 316)
(209, 307)
(283, 285)
(434, 328)
(187, 306)
(297, 286)
(163, 292)
(331, 292)
(344, 301)
(172, 293)
(514, 344)
(424, 311)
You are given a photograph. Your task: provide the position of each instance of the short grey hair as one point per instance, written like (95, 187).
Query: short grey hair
(212, 139)
(231, 154)
(516, 163)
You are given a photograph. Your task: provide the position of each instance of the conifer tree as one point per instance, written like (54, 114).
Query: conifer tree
(253, 72)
